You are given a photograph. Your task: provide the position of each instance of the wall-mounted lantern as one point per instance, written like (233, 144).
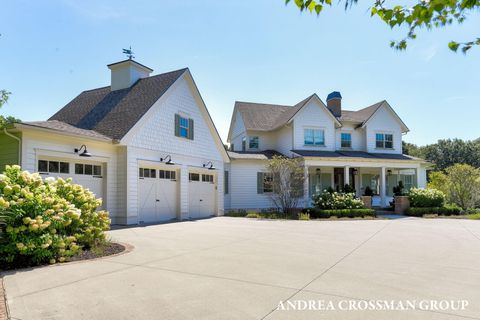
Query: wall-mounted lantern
(85, 152)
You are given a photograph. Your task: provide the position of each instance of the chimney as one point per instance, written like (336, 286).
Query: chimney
(334, 103)
(125, 73)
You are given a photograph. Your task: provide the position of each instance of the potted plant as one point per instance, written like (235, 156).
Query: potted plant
(367, 197)
(400, 200)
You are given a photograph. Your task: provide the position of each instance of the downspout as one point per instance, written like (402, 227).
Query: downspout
(19, 144)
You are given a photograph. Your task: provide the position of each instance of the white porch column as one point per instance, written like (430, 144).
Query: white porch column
(346, 175)
(383, 187)
(420, 183)
(306, 196)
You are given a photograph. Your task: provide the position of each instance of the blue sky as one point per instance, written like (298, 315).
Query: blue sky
(248, 50)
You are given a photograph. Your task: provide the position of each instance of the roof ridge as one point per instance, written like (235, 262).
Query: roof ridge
(266, 104)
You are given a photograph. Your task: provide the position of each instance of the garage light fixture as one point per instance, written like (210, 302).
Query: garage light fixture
(85, 153)
(169, 161)
(209, 165)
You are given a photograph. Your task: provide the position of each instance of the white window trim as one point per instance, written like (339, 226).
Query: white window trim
(384, 132)
(315, 145)
(258, 142)
(350, 132)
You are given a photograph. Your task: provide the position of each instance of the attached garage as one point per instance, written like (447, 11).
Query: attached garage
(89, 174)
(202, 191)
(158, 190)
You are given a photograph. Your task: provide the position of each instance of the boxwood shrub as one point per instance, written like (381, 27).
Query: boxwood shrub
(447, 210)
(46, 220)
(340, 213)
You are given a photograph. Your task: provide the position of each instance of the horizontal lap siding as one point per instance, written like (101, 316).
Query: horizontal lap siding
(243, 185)
(383, 121)
(8, 151)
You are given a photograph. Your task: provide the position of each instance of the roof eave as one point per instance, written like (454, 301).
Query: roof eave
(21, 126)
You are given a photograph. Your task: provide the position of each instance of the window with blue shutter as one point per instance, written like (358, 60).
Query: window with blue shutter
(183, 127)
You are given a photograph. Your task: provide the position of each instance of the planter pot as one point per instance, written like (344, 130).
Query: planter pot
(367, 201)
(402, 203)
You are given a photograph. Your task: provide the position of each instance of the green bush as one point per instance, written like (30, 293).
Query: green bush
(316, 213)
(426, 198)
(236, 213)
(448, 210)
(253, 214)
(46, 220)
(335, 200)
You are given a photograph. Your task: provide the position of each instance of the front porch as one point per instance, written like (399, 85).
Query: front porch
(380, 177)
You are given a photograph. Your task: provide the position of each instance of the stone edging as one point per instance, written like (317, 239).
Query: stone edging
(3, 302)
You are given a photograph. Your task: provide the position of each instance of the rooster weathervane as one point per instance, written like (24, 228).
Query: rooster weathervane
(129, 52)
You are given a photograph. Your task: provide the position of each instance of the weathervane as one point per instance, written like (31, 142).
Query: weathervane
(129, 52)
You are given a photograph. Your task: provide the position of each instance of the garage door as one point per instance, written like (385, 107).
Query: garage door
(202, 189)
(88, 174)
(157, 195)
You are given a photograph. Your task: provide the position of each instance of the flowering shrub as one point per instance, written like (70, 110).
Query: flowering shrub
(335, 200)
(426, 198)
(46, 220)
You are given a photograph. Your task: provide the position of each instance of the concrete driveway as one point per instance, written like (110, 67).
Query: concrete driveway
(235, 268)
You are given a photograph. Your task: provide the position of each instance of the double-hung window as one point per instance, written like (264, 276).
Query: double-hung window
(384, 140)
(183, 127)
(314, 137)
(253, 143)
(346, 140)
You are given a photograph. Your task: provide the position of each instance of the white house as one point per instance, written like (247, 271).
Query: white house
(360, 148)
(145, 144)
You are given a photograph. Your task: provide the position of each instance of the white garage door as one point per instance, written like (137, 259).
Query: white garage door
(157, 195)
(88, 174)
(202, 189)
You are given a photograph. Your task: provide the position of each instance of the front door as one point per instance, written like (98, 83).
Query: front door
(339, 178)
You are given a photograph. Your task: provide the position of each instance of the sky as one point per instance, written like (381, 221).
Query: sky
(248, 50)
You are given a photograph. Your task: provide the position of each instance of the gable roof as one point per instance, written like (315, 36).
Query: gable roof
(114, 113)
(267, 117)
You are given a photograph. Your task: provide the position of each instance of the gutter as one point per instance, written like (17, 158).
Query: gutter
(19, 144)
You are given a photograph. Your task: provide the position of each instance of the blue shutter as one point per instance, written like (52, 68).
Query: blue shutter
(259, 182)
(190, 129)
(177, 125)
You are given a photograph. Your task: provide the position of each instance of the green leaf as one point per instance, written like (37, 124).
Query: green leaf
(318, 8)
(453, 46)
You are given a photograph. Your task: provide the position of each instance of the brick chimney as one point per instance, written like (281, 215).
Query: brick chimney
(334, 103)
(125, 73)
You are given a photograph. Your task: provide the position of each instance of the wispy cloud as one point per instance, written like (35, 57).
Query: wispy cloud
(428, 53)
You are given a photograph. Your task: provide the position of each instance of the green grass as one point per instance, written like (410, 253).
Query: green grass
(475, 216)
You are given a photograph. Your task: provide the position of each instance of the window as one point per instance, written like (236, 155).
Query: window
(194, 177)
(346, 140)
(225, 180)
(244, 144)
(207, 178)
(45, 166)
(147, 173)
(167, 174)
(232, 147)
(314, 137)
(183, 127)
(88, 169)
(253, 143)
(267, 182)
(384, 140)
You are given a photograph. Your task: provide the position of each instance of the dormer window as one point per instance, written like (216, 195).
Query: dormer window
(384, 140)
(314, 137)
(253, 143)
(346, 140)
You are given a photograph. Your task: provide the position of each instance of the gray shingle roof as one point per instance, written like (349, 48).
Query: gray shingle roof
(353, 154)
(66, 128)
(114, 113)
(267, 117)
(250, 155)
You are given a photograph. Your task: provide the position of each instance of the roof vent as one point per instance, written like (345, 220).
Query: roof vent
(125, 73)
(334, 103)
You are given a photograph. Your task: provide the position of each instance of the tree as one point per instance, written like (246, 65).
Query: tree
(461, 184)
(4, 121)
(287, 182)
(419, 14)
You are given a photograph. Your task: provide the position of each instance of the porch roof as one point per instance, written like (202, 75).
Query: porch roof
(354, 154)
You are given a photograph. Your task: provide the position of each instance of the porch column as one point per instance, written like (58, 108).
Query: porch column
(306, 196)
(383, 187)
(420, 183)
(346, 175)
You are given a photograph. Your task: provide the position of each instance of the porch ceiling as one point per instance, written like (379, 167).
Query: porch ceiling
(354, 154)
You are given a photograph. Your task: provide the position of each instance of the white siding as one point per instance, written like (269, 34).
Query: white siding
(358, 137)
(243, 183)
(383, 121)
(284, 140)
(156, 139)
(313, 116)
(238, 132)
(36, 144)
